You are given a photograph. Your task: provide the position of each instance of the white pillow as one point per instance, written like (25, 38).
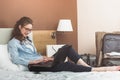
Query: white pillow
(5, 62)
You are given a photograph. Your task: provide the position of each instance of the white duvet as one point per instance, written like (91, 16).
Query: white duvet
(26, 75)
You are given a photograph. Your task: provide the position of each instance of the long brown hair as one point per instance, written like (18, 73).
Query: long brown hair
(16, 33)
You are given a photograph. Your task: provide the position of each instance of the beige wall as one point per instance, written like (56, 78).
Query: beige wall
(96, 15)
(45, 14)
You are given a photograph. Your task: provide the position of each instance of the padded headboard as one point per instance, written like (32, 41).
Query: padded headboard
(41, 38)
(5, 35)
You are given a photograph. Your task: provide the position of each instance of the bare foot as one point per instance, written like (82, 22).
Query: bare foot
(118, 68)
(107, 68)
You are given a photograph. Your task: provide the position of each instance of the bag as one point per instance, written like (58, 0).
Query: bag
(111, 43)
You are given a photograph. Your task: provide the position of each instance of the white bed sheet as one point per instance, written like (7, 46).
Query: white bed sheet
(26, 75)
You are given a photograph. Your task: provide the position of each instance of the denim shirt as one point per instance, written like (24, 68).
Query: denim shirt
(20, 53)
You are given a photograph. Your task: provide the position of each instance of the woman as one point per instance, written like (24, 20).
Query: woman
(23, 52)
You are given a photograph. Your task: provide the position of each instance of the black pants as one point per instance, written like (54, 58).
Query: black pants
(60, 65)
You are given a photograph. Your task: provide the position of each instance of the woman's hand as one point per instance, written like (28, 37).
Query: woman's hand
(36, 61)
(46, 59)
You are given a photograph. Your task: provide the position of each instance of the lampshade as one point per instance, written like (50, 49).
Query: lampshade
(64, 25)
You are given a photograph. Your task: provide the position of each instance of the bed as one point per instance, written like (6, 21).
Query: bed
(10, 71)
(10, 75)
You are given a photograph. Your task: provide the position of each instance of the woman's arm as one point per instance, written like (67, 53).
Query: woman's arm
(45, 59)
(13, 50)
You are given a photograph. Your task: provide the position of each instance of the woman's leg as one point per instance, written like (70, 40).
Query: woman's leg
(68, 51)
(75, 57)
(81, 62)
(60, 55)
(68, 66)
